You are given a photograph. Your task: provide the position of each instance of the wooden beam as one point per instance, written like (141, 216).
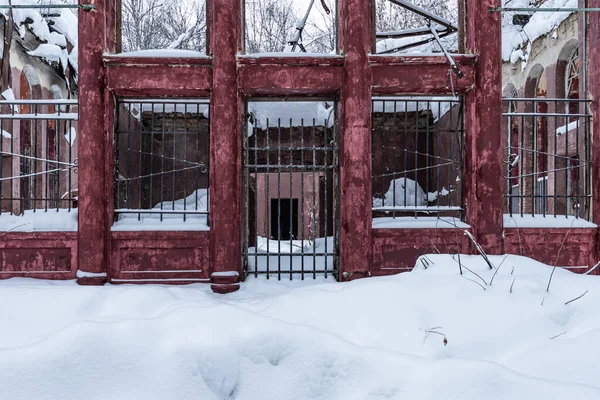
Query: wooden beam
(483, 171)
(355, 141)
(421, 75)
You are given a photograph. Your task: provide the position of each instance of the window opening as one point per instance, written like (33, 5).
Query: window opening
(167, 25)
(290, 186)
(417, 161)
(162, 164)
(288, 26)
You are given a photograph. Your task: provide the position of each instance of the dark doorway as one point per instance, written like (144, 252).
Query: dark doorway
(284, 219)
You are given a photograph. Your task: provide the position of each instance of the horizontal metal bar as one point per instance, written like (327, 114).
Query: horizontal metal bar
(84, 7)
(307, 271)
(546, 115)
(408, 33)
(157, 211)
(49, 102)
(545, 9)
(411, 208)
(166, 101)
(37, 117)
(290, 167)
(544, 100)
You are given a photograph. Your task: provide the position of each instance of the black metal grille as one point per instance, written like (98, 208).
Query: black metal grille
(417, 157)
(290, 180)
(548, 157)
(38, 168)
(162, 161)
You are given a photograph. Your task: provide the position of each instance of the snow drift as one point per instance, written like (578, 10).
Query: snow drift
(379, 338)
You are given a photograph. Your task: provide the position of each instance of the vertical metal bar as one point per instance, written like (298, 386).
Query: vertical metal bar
(268, 202)
(279, 199)
(256, 220)
(302, 232)
(523, 169)
(326, 147)
(184, 158)
(34, 153)
(162, 157)
(128, 160)
(555, 173)
(291, 164)
(567, 159)
(405, 133)
(313, 212)
(47, 165)
(174, 149)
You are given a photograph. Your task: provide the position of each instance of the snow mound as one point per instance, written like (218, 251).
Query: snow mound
(403, 192)
(428, 334)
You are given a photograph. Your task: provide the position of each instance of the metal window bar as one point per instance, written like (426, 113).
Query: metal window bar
(162, 149)
(549, 164)
(38, 165)
(417, 157)
(290, 169)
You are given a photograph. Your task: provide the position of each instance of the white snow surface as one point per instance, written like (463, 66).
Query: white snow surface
(418, 223)
(197, 201)
(402, 192)
(547, 221)
(52, 220)
(369, 339)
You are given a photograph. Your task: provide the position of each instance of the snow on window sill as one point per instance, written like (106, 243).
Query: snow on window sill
(52, 220)
(548, 221)
(418, 223)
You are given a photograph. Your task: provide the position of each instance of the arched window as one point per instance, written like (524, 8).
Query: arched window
(572, 81)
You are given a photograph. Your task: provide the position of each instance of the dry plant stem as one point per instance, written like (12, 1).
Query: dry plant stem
(512, 284)
(560, 334)
(477, 275)
(13, 228)
(433, 245)
(474, 281)
(558, 254)
(592, 269)
(479, 249)
(498, 269)
(576, 298)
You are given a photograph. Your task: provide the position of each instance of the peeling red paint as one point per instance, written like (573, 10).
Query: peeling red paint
(229, 79)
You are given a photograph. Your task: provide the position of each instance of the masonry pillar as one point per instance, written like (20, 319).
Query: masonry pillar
(225, 152)
(483, 181)
(593, 73)
(355, 33)
(92, 172)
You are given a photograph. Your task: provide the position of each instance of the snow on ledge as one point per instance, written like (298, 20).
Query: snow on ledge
(418, 223)
(132, 224)
(162, 53)
(548, 221)
(225, 274)
(53, 220)
(291, 54)
(82, 274)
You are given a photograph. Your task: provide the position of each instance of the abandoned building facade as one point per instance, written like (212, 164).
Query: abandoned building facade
(223, 166)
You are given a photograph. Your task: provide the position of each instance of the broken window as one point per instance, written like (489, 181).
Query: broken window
(161, 165)
(163, 25)
(417, 26)
(417, 161)
(290, 26)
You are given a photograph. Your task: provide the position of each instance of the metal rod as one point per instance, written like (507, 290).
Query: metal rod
(545, 9)
(84, 7)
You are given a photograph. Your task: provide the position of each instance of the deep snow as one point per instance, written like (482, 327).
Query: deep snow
(309, 340)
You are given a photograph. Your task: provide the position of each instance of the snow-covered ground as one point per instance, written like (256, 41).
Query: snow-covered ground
(428, 334)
